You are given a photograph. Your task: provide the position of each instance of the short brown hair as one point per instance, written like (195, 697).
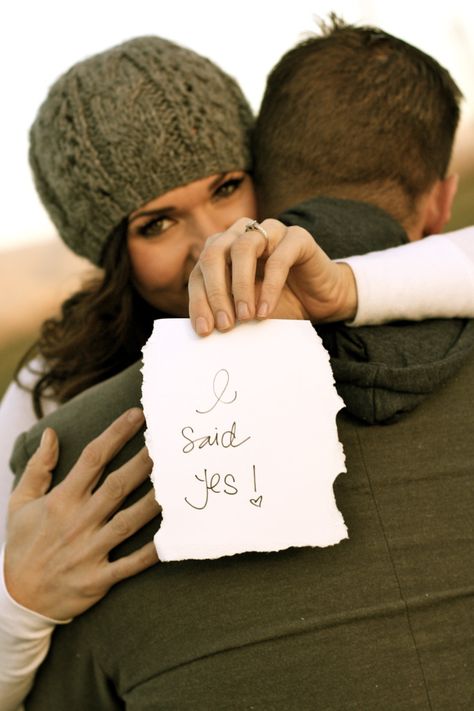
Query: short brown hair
(351, 112)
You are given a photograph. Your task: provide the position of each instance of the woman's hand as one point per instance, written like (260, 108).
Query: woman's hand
(56, 555)
(242, 275)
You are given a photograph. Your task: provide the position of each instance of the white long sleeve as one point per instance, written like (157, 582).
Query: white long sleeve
(430, 278)
(20, 654)
(16, 416)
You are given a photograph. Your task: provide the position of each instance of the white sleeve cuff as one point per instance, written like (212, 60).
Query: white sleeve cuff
(430, 278)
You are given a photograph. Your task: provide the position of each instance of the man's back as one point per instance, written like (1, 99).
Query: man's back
(382, 620)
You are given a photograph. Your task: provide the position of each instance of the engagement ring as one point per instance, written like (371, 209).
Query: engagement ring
(254, 225)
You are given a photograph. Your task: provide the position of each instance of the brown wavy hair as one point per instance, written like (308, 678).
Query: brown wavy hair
(100, 331)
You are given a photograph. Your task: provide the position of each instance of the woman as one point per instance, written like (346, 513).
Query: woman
(142, 145)
(139, 154)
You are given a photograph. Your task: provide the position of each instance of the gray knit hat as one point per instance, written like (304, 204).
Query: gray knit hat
(128, 125)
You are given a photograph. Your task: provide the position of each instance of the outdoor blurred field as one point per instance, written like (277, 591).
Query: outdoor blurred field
(15, 341)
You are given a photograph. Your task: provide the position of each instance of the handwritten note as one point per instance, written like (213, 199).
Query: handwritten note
(241, 428)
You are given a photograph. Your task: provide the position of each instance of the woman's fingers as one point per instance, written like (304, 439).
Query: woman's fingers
(222, 286)
(36, 478)
(210, 304)
(296, 248)
(215, 283)
(250, 246)
(95, 456)
(132, 564)
(117, 486)
(320, 289)
(127, 522)
(200, 312)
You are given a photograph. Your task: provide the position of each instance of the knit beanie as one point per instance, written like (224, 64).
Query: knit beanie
(127, 125)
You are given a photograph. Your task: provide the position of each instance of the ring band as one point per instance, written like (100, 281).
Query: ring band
(254, 225)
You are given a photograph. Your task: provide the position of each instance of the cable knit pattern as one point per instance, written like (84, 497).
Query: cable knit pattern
(127, 125)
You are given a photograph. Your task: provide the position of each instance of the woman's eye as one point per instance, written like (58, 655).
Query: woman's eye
(228, 188)
(155, 226)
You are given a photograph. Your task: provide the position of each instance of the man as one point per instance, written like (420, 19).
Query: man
(382, 620)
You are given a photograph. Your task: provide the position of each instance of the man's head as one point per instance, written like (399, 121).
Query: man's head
(358, 113)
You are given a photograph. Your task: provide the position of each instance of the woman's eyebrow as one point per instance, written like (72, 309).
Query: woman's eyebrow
(155, 213)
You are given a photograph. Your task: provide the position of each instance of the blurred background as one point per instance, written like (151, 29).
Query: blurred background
(41, 40)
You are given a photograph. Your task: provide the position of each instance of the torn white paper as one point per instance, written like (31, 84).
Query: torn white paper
(241, 428)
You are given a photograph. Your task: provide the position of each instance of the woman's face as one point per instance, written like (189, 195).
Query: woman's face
(165, 237)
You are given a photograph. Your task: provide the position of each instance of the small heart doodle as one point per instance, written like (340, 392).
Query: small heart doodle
(257, 502)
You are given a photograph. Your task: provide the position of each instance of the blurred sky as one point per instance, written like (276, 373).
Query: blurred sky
(41, 39)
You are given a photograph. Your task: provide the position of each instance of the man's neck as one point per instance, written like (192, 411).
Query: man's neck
(386, 197)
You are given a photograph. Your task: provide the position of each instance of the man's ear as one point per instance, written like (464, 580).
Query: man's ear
(439, 204)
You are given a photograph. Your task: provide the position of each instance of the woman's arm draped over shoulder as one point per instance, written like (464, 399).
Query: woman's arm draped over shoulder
(430, 278)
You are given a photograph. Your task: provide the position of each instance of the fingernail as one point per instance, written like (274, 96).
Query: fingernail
(222, 320)
(242, 310)
(262, 310)
(201, 326)
(135, 415)
(46, 439)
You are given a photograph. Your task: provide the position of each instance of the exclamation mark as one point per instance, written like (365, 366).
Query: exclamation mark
(258, 499)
